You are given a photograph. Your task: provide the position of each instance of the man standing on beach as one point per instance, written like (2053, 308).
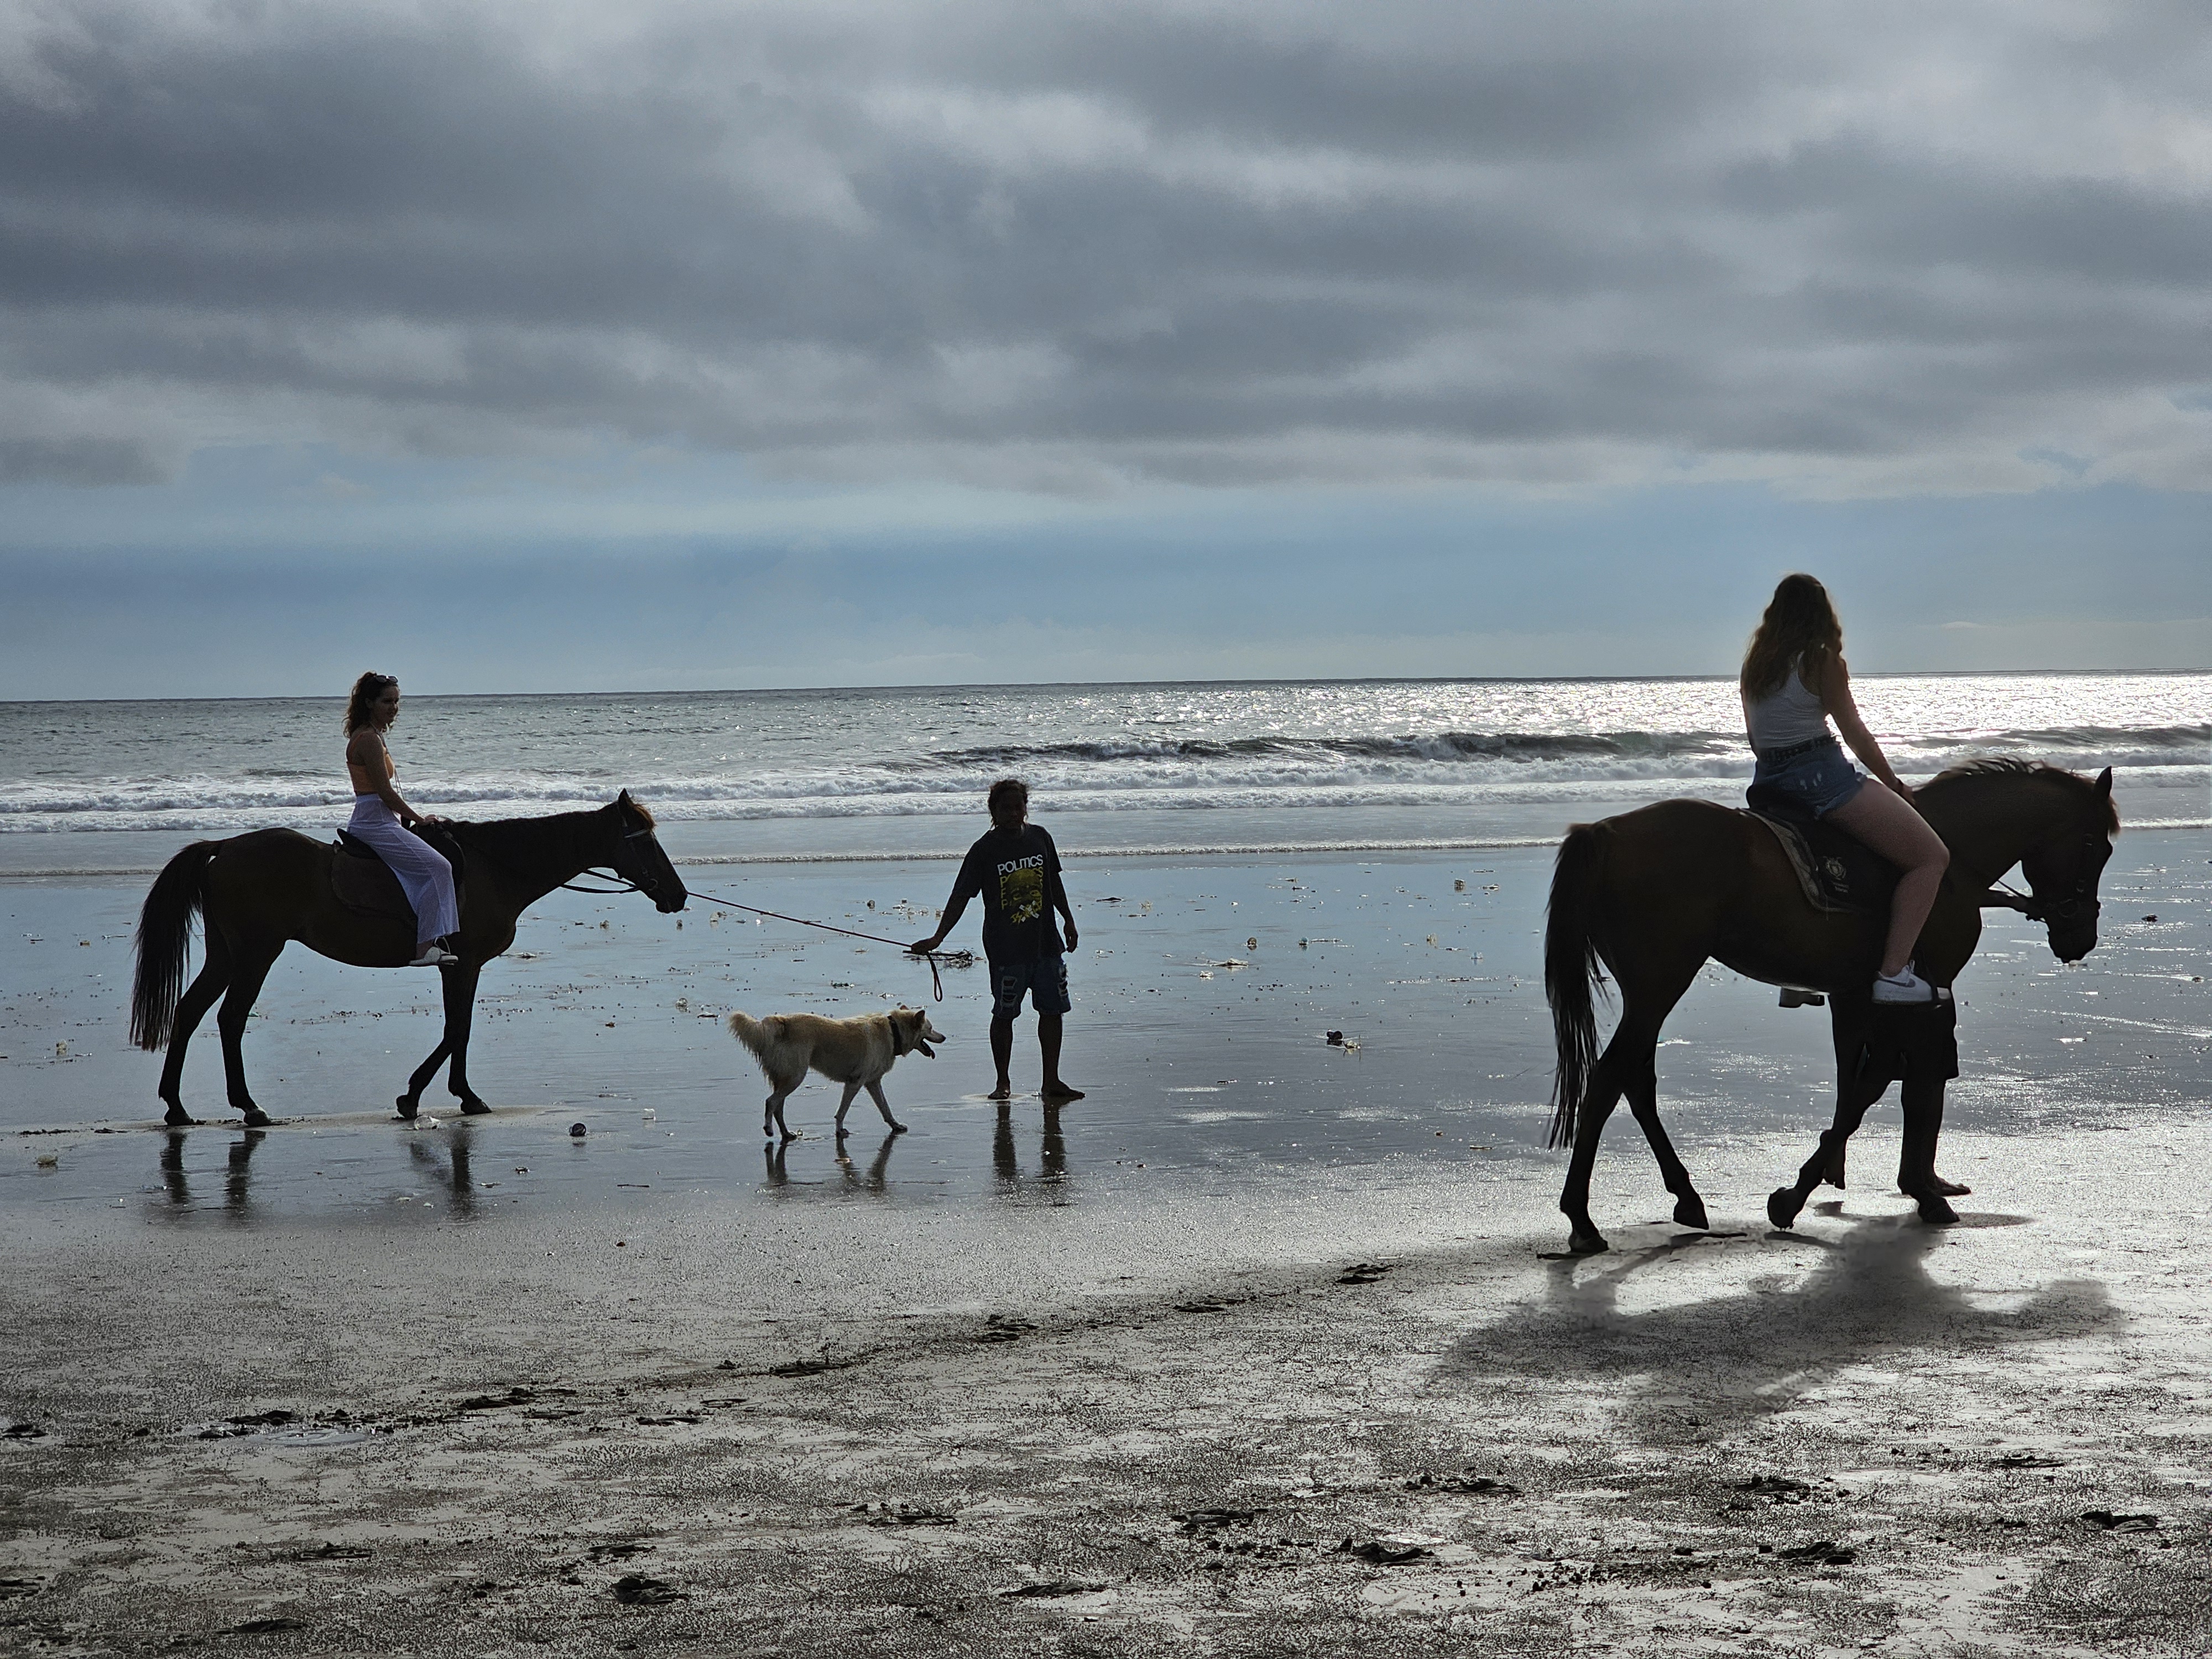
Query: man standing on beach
(1016, 869)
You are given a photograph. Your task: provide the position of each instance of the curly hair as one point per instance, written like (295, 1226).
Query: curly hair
(365, 690)
(1800, 623)
(1008, 793)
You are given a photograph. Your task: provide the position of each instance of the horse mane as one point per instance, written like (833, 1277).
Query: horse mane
(2007, 766)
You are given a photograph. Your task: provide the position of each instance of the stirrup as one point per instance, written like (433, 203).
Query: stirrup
(436, 956)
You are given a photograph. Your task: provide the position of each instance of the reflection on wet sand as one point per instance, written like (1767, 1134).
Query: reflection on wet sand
(1052, 1155)
(1704, 1365)
(453, 1173)
(873, 1180)
(176, 1183)
(777, 1177)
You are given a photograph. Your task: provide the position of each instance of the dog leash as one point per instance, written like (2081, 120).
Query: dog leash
(957, 958)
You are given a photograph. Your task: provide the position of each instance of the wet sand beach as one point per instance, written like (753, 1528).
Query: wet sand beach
(1266, 1346)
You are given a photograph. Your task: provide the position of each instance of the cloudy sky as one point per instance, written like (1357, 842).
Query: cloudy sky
(514, 346)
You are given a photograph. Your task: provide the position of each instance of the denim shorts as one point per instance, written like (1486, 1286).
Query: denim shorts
(1044, 979)
(1820, 779)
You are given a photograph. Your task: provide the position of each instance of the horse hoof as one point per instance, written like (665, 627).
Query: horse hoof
(1935, 1209)
(1587, 1241)
(898, 1128)
(257, 1119)
(1690, 1212)
(406, 1108)
(1782, 1206)
(474, 1107)
(178, 1118)
(1935, 1184)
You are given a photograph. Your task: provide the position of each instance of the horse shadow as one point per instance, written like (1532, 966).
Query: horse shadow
(1693, 1368)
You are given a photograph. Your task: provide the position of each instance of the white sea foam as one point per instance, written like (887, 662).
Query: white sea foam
(1443, 751)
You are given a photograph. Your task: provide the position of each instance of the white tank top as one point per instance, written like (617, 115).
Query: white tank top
(1785, 717)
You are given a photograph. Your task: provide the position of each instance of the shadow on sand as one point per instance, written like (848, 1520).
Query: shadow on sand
(1694, 1367)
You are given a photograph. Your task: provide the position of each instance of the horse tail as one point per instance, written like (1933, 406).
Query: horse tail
(1570, 968)
(165, 929)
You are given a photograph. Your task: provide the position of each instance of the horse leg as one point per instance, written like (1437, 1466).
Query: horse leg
(192, 1009)
(1643, 1104)
(419, 1079)
(1855, 1095)
(460, 985)
(1923, 1100)
(1604, 1087)
(245, 981)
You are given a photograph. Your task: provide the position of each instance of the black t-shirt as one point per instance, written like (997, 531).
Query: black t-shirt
(1013, 874)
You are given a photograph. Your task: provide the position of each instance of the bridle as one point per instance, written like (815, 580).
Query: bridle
(648, 886)
(2071, 909)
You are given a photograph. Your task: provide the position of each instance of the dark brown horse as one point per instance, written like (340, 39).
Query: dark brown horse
(1653, 894)
(261, 890)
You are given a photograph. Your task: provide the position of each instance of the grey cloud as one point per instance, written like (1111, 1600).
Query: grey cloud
(1887, 247)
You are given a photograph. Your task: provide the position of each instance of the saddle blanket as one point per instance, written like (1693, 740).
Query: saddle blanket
(1836, 873)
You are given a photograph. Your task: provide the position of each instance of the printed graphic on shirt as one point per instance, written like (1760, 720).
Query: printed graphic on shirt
(1021, 889)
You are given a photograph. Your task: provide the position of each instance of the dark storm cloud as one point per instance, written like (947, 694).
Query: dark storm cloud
(1864, 248)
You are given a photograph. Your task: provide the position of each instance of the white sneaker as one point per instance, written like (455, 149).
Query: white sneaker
(436, 956)
(1902, 987)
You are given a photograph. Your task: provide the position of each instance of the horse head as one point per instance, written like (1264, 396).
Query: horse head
(639, 860)
(2062, 869)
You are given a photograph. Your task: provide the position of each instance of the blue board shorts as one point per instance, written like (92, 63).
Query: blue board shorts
(1044, 979)
(1820, 779)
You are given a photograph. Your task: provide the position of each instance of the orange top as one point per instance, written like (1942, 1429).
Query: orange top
(362, 783)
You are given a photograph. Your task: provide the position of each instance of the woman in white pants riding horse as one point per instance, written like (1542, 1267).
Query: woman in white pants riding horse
(380, 817)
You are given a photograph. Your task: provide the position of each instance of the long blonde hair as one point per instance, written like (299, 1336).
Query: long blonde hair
(1798, 626)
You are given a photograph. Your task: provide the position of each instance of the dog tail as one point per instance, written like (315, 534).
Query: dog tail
(753, 1033)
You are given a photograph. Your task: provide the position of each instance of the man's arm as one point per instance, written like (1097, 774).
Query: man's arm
(963, 888)
(1059, 903)
(953, 907)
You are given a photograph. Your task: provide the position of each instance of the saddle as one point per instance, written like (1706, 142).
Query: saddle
(1837, 873)
(364, 883)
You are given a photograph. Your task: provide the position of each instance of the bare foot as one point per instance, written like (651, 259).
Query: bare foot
(1005, 1090)
(1056, 1093)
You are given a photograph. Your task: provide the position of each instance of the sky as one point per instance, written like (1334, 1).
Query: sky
(545, 345)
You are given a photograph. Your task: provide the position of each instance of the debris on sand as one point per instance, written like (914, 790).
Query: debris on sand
(1363, 1273)
(1335, 1039)
(577, 1132)
(1383, 1554)
(266, 1626)
(1480, 1486)
(1824, 1553)
(1051, 1589)
(635, 1589)
(2022, 1460)
(1197, 1521)
(618, 1549)
(812, 1367)
(1780, 1487)
(2112, 1523)
(1201, 1307)
(490, 1402)
(901, 1515)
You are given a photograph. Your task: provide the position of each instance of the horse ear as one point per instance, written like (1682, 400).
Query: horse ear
(623, 800)
(2105, 784)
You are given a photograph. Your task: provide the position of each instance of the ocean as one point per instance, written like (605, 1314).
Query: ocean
(1281, 765)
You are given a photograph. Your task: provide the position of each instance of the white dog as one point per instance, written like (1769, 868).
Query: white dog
(855, 1052)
